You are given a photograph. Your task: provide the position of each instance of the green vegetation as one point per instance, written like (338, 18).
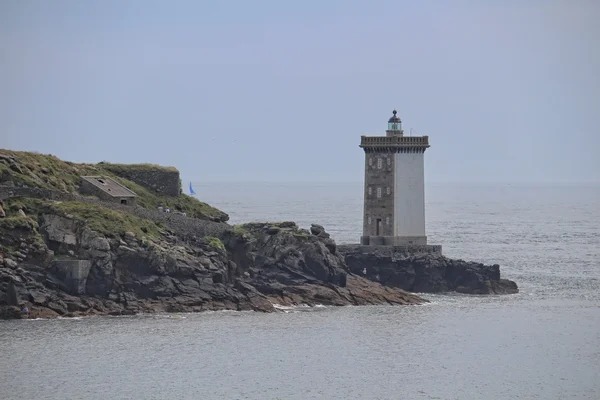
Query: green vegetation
(215, 243)
(105, 221)
(183, 203)
(17, 229)
(240, 229)
(301, 233)
(42, 170)
(30, 206)
(121, 169)
(285, 228)
(20, 222)
(49, 172)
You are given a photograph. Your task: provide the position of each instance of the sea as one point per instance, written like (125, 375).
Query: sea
(542, 343)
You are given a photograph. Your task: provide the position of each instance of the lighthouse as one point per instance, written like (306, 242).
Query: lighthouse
(394, 193)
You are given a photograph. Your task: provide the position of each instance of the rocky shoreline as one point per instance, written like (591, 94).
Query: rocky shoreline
(66, 255)
(425, 273)
(254, 269)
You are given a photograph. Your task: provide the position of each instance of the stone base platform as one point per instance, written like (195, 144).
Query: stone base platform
(411, 249)
(393, 240)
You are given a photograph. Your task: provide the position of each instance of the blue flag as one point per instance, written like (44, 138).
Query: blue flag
(192, 189)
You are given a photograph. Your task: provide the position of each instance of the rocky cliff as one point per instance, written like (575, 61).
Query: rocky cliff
(253, 267)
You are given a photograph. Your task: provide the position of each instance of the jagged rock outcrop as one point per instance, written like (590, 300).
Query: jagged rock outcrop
(425, 273)
(252, 269)
(292, 266)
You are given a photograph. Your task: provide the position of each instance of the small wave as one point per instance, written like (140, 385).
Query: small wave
(430, 303)
(282, 307)
(297, 308)
(176, 316)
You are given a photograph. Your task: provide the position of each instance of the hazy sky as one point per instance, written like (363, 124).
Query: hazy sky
(282, 91)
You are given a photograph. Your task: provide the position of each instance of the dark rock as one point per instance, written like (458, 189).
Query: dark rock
(503, 286)
(12, 298)
(319, 231)
(10, 312)
(425, 273)
(342, 279)
(58, 306)
(293, 268)
(316, 228)
(273, 230)
(217, 277)
(15, 167)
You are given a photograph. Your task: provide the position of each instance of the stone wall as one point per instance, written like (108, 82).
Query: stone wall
(379, 194)
(159, 179)
(182, 225)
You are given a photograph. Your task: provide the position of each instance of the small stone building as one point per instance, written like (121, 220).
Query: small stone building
(106, 188)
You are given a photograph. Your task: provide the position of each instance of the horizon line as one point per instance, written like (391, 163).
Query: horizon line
(330, 182)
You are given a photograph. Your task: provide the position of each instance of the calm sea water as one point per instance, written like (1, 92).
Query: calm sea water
(543, 343)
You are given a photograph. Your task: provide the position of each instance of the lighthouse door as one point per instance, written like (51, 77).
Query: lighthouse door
(379, 227)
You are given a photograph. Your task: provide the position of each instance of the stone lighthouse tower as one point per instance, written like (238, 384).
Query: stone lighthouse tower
(394, 209)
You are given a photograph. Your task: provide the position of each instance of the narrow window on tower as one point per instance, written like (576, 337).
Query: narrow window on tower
(370, 161)
(388, 191)
(389, 161)
(387, 220)
(370, 191)
(379, 163)
(378, 192)
(369, 220)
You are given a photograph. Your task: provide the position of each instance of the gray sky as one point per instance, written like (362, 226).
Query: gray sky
(508, 91)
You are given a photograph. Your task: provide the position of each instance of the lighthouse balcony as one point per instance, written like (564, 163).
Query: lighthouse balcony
(399, 142)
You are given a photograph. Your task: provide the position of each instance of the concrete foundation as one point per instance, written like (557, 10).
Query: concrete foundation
(393, 240)
(73, 273)
(393, 249)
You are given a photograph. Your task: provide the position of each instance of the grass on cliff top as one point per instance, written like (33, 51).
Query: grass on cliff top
(49, 172)
(286, 227)
(42, 170)
(100, 219)
(14, 230)
(105, 221)
(183, 203)
(126, 168)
